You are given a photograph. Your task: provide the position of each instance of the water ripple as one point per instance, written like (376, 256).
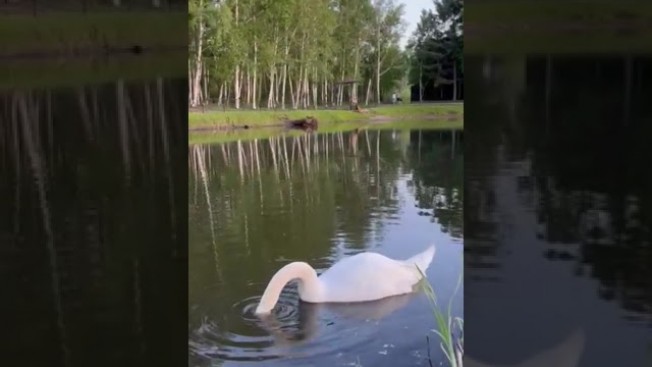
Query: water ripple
(209, 340)
(294, 330)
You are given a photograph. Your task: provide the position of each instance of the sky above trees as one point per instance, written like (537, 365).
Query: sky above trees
(412, 15)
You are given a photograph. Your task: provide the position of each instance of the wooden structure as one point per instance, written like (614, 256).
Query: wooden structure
(353, 100)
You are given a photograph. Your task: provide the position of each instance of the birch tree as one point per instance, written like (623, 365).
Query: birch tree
(292, 53)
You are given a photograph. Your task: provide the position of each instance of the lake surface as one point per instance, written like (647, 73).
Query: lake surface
(93, 250)
(257, 205)
(558, 210)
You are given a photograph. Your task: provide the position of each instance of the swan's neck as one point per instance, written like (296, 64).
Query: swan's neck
(310, 287)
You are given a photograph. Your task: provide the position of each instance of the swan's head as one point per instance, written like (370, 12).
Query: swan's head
(308, 285)
(265, 307)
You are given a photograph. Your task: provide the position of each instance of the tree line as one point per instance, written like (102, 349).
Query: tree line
(299, 54)
(436, 61)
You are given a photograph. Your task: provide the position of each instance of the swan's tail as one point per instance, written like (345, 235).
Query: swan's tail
(423, 259)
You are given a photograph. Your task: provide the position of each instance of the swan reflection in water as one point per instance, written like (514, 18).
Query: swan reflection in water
(313, 317)
(567, 353)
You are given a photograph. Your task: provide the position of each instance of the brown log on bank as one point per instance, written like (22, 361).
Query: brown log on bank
(308, 123)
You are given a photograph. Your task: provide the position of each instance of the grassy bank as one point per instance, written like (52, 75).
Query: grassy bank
(264, 133)
(575, 26)
(545, 41)
(232, 118)
(47, 73)
(70, 33)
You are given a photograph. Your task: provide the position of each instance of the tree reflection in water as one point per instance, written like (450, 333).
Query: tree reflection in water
(568, 135)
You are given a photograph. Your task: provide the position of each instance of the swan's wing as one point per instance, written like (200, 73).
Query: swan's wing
(367, 276)
(371, 310)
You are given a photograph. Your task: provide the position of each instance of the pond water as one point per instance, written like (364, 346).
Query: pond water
(257, 205)
(93, 251)
(558, 211)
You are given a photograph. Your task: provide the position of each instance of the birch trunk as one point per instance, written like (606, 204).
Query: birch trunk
(366, 101)
(255, 72)
(198, 59)
(378, 64)
(270, 97)
(285, 74)
(236, 80)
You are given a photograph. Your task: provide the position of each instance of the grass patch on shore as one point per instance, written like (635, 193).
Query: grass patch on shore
(68, 32)
(264, 133)
(263, 118)
(413, 111)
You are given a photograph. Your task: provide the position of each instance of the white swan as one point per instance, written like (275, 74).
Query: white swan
(367, 276)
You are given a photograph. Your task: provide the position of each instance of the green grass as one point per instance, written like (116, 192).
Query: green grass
(504, 26)
(419, 109)
(262, 117)
(65, 32)
(446, 323)
(546, 42)
(39, 73)
(264, 133)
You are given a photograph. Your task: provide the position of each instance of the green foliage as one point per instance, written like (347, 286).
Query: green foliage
(436, 47)
(310, 46)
